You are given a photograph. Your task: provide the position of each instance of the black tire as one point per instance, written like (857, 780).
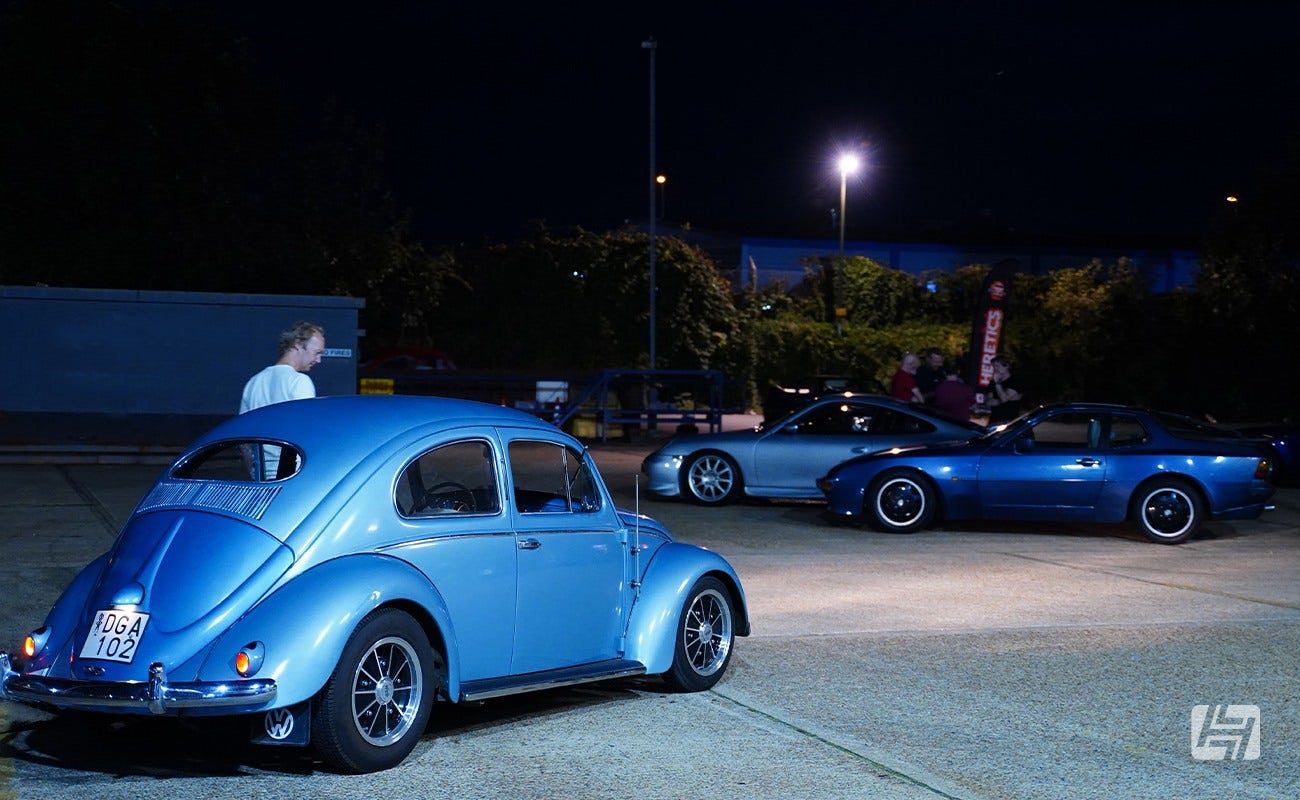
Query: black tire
(375, 706)
(711, 479)
(1168, 510)
(900, 501)
(706, 632)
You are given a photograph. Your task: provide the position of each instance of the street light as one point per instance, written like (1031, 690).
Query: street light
(848, 163)
(651, 45)
(662, 180)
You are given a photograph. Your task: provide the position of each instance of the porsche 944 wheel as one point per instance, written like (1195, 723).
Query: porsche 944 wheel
(1168, 511)
(711, 479)
(705, 634)
(900, 502)
(375, 706)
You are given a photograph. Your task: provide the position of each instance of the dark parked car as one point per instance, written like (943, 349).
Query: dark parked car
(1082, 462)
(784, 459)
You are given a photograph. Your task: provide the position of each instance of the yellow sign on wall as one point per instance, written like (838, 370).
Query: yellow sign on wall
(376, 386)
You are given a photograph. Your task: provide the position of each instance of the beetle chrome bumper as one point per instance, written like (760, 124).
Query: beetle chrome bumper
(156, 695)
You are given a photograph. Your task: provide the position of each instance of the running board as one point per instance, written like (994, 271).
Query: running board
(550, 679)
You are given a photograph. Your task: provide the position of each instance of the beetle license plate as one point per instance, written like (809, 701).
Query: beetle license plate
(115, 636)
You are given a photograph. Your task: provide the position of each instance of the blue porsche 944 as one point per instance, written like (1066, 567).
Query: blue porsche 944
(1083, 462)
(334, 568)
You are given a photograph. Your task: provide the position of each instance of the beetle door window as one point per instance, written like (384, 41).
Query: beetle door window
(452, 479)
(551, 478)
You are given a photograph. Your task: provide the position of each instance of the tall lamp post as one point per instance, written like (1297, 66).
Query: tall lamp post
(651, 45)
(848, 163)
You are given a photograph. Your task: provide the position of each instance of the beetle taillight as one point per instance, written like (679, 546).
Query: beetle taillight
(1264, 469)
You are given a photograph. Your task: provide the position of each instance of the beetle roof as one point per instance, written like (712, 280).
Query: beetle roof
(350, 427)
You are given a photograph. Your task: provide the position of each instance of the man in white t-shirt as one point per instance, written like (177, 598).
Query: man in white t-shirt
(300, 350)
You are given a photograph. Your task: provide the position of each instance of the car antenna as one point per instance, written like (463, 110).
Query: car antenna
(636, 536)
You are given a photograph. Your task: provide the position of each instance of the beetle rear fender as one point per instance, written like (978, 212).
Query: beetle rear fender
(62, 619)
(652, 628)
(305, 624)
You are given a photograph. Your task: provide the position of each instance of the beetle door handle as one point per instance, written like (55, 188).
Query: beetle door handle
(1088, 462)
(528, 544)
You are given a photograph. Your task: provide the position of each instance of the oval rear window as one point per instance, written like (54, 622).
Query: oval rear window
(256, 460)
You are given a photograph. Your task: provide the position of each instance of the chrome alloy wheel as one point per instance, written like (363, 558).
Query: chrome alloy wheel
(707, 630)
(386, 691)
(711, 478)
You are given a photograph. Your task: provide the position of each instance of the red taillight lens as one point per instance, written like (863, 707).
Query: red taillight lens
(1264, 470)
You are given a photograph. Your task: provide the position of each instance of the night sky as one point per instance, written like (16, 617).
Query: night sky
(1097, 120)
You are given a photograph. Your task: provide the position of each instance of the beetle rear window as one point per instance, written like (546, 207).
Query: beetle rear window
(242, 461)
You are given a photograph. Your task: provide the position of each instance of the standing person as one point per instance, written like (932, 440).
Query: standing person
(954, 397)
(1006, 394)
(930, 374)
(903, 386)
(300, 350)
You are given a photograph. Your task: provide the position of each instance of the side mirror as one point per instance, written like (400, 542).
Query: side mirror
(1024, 443)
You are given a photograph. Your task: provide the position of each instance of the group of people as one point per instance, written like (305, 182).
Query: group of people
(939, 383)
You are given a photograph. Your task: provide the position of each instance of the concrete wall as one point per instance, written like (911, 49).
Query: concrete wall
(113, 365)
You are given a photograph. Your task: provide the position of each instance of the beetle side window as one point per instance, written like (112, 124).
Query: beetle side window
(551, 478)
(456, 478)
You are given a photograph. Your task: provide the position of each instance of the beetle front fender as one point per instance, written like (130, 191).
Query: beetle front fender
(652, 629)
(305, 624)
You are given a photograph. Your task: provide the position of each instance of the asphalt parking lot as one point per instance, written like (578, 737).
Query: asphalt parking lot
(972, 661)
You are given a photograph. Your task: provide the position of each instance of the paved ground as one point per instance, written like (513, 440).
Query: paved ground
(973, 661)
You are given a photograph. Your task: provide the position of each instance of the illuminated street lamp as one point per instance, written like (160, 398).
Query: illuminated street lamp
(662, 180)
(848, 163)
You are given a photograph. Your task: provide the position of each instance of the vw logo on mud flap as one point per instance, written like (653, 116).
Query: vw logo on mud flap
(278, 723)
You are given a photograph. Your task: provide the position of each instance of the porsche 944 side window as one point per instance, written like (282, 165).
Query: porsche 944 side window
(1073, 431)
(1126, 431)
(456, 478)
(242, 462)
(551, 478)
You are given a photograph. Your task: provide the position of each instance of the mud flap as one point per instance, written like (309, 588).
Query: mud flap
(283, 726)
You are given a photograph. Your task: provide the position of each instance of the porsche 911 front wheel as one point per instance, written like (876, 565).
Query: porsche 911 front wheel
(377, 702)
(711, 479)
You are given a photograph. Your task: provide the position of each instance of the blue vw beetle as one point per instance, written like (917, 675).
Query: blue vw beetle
(332, 567)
